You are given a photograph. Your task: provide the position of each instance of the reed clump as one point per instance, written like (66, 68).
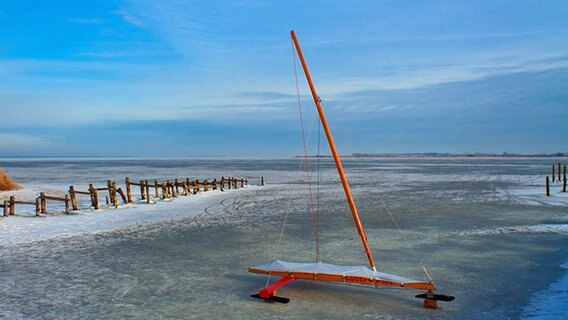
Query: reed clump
(6, 183)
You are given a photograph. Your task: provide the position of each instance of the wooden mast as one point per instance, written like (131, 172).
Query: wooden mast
(335, 154)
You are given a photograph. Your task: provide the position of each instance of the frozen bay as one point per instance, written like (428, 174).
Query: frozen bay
(482, 227)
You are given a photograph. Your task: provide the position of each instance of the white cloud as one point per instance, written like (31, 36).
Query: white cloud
(15, 142)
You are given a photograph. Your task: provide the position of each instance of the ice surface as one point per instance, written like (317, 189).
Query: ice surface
(482, 227)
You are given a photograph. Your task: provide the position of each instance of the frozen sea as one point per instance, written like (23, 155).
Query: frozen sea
(482, 227)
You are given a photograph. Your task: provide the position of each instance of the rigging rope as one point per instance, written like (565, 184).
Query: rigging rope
(405, 238)
(308, 178)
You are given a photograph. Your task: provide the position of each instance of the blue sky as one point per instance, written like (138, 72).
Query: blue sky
(196, 78)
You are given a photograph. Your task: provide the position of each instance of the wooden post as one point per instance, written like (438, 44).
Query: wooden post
(38, 206)
(142, 190)
(174, 189)
(122, 195)
(215, 184)
(148, 196)
(261, 181)
(184, 192)
(176, 186)
(156, 185)
(114, 195)
(109, 185)
(43, 203)
(94, 196)
(73, 198)
(242, 182)
(553, 174)
(164, 191)
(547, 187)
(67, 204)
(6, 206)
(128, 190)
(195, 186)
(12, 205)
(205, 185)
(564, 181)
(559, 173)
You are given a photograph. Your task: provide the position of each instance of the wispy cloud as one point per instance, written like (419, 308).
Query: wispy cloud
(15, 142)
(87, 20)
(129, 17)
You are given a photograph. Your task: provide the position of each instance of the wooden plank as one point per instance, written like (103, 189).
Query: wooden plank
(24, 202)
(83, 192)
(54, 198)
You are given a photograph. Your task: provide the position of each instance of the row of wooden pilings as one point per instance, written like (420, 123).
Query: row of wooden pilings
(557, 176)
(163, 190)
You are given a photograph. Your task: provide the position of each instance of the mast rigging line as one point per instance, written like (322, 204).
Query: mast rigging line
(335, 154)
(306, 159)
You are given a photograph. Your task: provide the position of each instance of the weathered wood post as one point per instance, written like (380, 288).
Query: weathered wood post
(242, 182)
(122, 195)
(128, 190)
(157, 191)
(246, 181)
(73, 198)
(43, 203)
(94, 196)
(164, 191)
(6, 206)
(169, 189)
(564, 180)
(184, 192)
(114, 195)
(553, 174)
(148, 196)
(109, 186)
(176, 186)
(38, 206)
(261, 181)
(142, 190)
(195, 186)
(12, 205)
(547, 187)
(174, 189)
(67, 204)
(205, 185)
(214, 184)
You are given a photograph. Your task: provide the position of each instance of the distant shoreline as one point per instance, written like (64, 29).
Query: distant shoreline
(435, 155)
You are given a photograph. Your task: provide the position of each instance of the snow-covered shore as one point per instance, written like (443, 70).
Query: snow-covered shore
(24, 227)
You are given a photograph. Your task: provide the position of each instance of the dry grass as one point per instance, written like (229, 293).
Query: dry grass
(6, 183)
